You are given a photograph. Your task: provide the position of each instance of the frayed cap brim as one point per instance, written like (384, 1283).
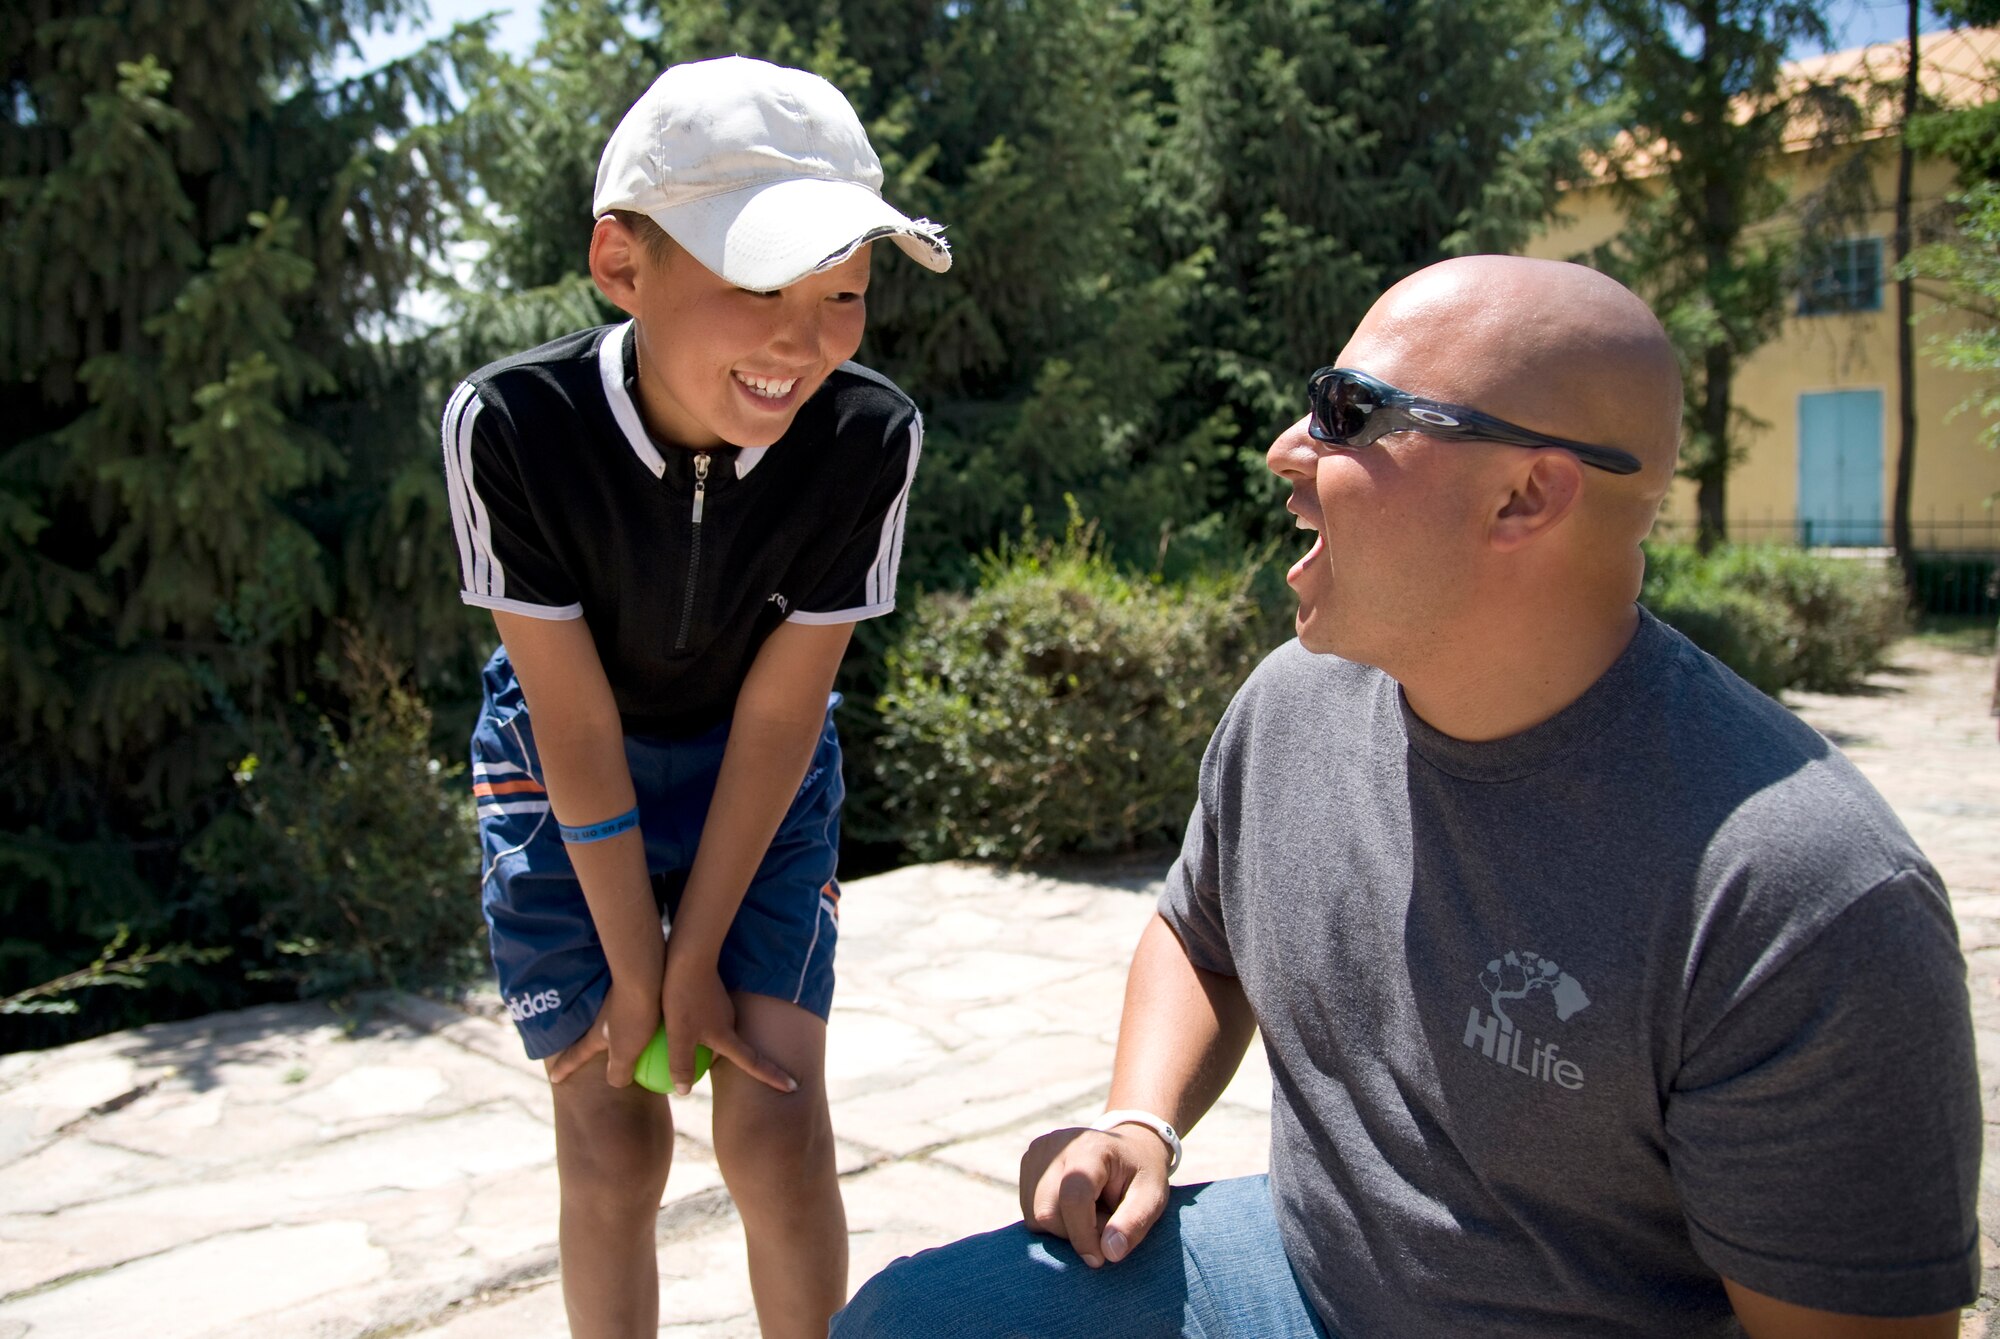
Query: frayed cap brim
(770, 236)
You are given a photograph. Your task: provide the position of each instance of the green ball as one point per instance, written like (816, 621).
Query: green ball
(651, 1071)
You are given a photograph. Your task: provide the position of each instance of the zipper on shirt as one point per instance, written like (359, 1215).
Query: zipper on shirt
(694, 548)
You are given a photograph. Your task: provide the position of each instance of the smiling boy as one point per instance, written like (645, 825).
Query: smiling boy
(676, 522)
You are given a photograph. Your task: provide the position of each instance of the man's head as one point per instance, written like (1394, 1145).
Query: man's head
(736, 203)
(1433, 546)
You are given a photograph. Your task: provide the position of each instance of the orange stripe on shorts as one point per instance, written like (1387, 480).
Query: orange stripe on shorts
(507, 788)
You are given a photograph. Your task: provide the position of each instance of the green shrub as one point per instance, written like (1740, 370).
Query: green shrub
(1060, 708)
(113, 966)
(1849, 613)
(1751, 635)
(1780, 617)
(352, 861)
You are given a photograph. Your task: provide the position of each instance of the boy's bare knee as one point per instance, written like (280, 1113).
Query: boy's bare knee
(764, 1136)
(613, 1150)
(619, 1176)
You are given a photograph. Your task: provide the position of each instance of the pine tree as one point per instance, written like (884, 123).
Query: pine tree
(1318, 152)
(204, 240)
(1707, 105)
(1962, 251)
(1163, 216)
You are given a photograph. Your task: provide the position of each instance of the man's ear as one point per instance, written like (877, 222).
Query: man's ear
(616, 259)
(1543, 493)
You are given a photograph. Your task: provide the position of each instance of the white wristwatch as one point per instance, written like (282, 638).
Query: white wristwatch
(1133, 1116)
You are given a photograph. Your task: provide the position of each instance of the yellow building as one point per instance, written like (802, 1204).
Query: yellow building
(1821, 468)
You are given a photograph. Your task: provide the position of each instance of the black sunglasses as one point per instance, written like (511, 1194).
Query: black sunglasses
(1353, 410)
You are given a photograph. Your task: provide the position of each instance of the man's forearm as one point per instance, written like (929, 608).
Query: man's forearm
(1183, 1032)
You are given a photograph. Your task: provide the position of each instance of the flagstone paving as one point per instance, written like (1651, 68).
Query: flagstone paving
(298, 1172)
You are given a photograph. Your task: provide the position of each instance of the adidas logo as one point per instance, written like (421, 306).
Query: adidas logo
(521, 1008)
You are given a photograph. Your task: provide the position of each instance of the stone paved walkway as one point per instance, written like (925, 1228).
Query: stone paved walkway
(289, 1173)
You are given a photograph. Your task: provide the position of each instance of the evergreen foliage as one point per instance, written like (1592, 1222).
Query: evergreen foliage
(1315, 154)
(1705, 109)
(1968, 264)
(219, 444)
(210, 449)
(1164, 216)
(114, 965)
(1964, 252)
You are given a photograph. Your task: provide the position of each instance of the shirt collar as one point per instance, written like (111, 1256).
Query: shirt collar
(614, 361)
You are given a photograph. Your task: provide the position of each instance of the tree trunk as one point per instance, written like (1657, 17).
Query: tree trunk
(1720, 229)
(1712, 477)
(1906, 368)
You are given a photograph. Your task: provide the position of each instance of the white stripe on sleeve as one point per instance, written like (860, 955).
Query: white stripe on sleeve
(479, 567)
(454, 485)
(555, 613)
(881, 585)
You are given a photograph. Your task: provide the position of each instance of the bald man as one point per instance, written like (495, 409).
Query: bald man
(1600, 995)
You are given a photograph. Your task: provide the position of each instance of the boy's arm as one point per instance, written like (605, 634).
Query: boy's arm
(582, 746)
(772, 733)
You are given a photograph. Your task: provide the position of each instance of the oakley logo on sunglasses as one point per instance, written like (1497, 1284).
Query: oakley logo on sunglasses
(1432, 417)
(1352, 409)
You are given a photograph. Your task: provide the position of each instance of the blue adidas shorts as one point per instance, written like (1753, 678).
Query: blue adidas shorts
(552, 970)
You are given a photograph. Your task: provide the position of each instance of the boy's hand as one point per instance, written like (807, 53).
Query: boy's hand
(625, 1022)
(698, 1011)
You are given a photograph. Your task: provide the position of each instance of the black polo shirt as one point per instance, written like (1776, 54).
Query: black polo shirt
(681, 561)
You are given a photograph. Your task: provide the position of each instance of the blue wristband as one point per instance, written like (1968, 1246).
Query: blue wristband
(597, 832)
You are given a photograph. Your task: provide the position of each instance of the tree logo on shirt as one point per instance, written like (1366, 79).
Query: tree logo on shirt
(1517, 975)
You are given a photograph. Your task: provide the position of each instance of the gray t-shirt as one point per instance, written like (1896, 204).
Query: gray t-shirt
(1565, 1026)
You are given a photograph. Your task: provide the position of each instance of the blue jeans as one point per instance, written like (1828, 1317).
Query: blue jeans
(1213, 1266)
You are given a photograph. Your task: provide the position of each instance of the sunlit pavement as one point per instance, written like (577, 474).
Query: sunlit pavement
(293, 1172)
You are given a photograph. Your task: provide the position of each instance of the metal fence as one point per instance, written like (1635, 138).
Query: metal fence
(1974, 530)
(1958, 557)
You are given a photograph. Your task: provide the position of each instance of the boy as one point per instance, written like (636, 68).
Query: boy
(676, 522)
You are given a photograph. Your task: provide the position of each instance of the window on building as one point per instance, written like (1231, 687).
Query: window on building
(1848, 280)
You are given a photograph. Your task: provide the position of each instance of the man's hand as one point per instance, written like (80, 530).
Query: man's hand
(698, 1011)
(1183, 1032)
(625, 1022)
(1101, 1189)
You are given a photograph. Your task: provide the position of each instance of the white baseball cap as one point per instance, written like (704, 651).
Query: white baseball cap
(762, 173)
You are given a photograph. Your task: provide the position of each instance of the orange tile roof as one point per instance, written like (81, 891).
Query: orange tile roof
(1958, 69)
